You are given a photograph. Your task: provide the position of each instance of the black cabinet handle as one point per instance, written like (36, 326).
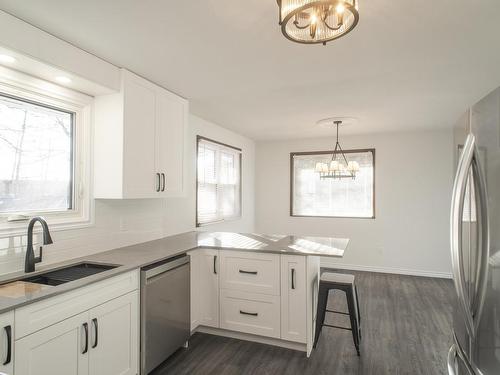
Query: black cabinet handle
(86, 329)
(215, 261)
(248, 313)
(249, 272)
(293, 278)
(8, 332)
(96, 331)
(163, 180)
(158, 185)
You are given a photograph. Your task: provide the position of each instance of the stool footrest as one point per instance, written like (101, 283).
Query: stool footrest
(332, 326)
(337, 312)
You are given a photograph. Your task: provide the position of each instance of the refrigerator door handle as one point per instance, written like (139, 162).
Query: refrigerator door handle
(484, 239)
(457, 352)
(452, 361)
(456, 217)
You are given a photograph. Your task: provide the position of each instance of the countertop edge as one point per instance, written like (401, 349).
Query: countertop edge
(106, 257)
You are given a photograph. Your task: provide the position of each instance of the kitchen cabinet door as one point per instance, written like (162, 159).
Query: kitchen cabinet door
(206, 287)
(293, 298)
(61, 349)
(139, 122)
(171, 118)
(7, 343)
(139, 141)
(114, 340)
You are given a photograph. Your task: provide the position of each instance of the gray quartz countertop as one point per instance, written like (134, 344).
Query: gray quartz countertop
(143, 254)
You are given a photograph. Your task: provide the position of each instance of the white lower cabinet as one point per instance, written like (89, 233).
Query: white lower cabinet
(114, 328)
(250, 272)
(268, 295)
(293, 298)
(101, 341)
(253, 313)
(205, 269)
(7, 343)
(58, 336)
(61, 349)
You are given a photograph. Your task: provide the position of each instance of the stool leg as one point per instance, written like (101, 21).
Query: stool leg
(359, 312)
(321, 310)
(352, 316)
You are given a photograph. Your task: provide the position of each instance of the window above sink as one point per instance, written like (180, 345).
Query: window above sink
(45, 138)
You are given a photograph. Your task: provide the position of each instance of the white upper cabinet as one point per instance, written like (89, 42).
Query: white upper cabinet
(171, 117)
(139, 141)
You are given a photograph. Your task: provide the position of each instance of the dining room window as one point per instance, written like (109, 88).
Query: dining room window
(313, 196)
(218, 182)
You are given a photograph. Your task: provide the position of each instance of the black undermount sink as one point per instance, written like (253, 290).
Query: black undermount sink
(67, 274)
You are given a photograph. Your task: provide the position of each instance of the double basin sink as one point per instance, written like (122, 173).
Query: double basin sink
(69, 273)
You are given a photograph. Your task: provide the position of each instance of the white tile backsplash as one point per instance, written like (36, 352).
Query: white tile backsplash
(143, 222)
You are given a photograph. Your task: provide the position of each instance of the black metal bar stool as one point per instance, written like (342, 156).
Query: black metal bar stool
(338, 281)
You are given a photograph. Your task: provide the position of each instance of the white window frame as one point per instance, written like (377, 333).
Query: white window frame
(26, 87)
(220, 146)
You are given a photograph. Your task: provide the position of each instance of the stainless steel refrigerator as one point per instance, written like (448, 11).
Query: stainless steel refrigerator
(475, 241)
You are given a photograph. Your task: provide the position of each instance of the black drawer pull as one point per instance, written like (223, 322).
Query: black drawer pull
(248, 313)
(158, 185)
(96, 331)
(86, 329)
(8, 332)
(249, 272)
(293, 278)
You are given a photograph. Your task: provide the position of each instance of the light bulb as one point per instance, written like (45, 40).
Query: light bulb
(340, 8)
(334, 166)
(313, 18)
(63, 79)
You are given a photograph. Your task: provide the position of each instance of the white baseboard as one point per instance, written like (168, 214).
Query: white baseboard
(326, 262)
(250, 337)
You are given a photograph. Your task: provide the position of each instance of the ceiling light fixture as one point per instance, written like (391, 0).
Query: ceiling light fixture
(7, 59)
(313, 21)
(338, 167)
(63, 79)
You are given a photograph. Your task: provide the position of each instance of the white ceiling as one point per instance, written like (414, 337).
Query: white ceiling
(408, 64)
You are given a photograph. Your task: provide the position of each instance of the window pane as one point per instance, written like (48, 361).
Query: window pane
(218, 182)
(36, 154)
(332, 197)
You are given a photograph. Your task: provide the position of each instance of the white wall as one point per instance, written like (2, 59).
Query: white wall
(414, 176)
(125, 222)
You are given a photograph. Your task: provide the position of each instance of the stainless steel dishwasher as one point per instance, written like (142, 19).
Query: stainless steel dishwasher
(165, 310)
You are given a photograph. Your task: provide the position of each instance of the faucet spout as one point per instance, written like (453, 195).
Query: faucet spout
(30, 260)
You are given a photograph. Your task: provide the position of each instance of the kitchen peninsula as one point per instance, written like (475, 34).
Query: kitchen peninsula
(255, 287)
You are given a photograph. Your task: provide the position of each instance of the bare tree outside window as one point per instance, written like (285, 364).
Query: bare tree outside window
(36, 157)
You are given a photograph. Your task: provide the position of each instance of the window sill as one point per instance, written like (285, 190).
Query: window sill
(335, 217)
(198, 225)
(20, 228)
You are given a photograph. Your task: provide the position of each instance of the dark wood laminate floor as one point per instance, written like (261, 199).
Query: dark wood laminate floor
(406, 325)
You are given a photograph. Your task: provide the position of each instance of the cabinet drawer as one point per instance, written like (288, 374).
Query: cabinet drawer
(257, 314)
(247, 272)
(38, 315)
